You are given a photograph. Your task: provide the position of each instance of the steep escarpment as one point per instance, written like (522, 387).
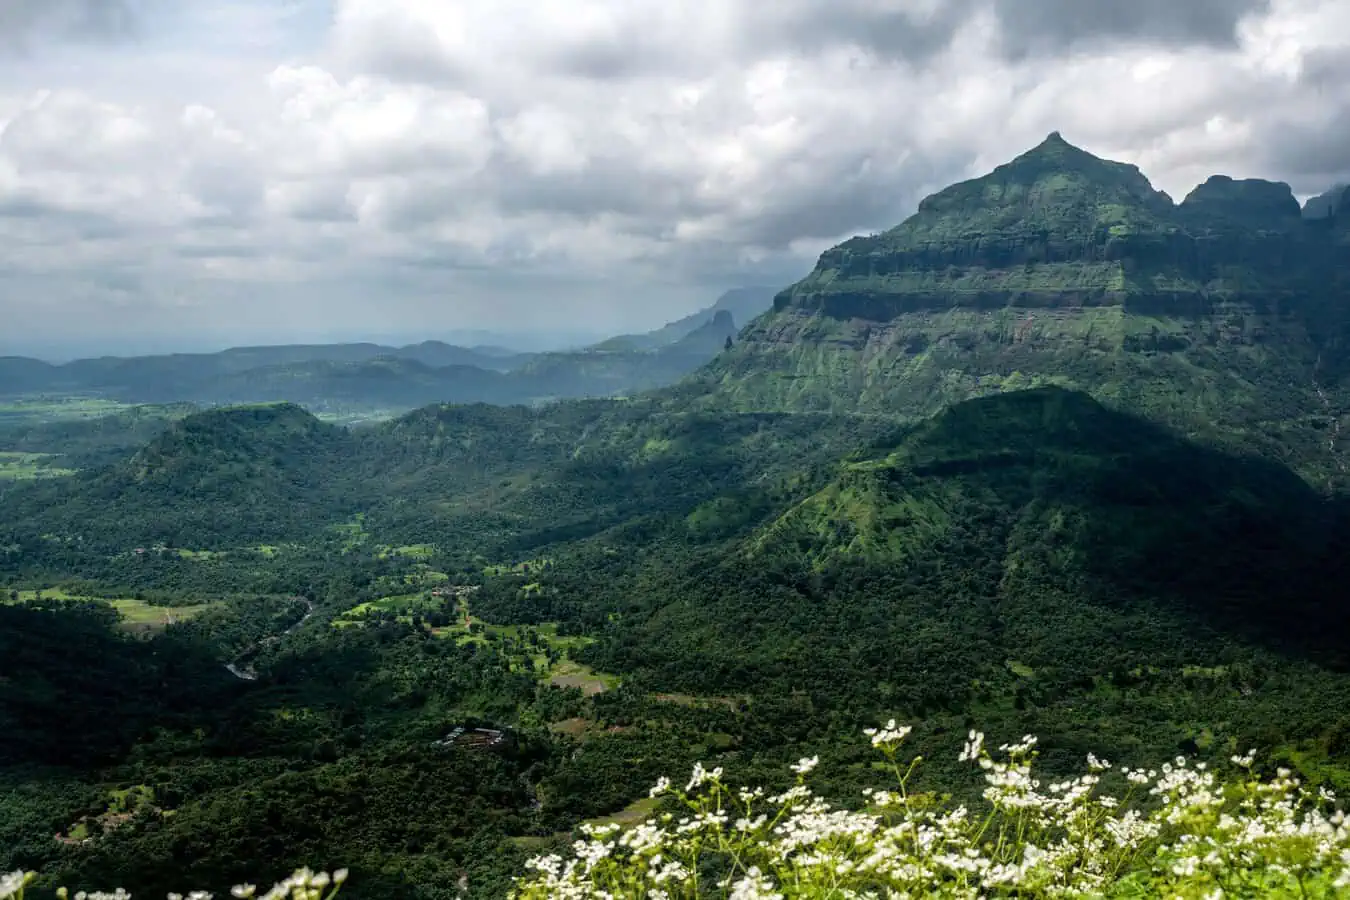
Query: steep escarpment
(1222, 315)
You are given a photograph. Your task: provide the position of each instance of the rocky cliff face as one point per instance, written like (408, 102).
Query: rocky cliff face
(1225, 315)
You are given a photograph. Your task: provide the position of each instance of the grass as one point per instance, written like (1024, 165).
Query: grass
(137, 615)
(563, 673)
(403, 605)
(520, 568)
(573, 674)
(353, 533)
(633, 814)
(38, 409)
(199, 555)
(357, 416)
(29, 467)
(411, 551)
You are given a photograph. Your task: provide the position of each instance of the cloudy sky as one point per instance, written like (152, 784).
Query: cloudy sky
(215, 171)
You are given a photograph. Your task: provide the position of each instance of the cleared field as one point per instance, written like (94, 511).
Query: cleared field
(29, 466)
(33, 410)
(137, 615)
(402, 605)
(572, 674)
(411, 551)
(633, 814)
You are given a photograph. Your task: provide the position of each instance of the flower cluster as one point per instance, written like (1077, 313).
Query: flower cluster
(1177, 831)
(301, 885)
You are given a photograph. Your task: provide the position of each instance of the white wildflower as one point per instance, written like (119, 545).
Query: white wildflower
(754, 886)
(892, 734)
(974, 746)
(804, 765)
(13, 883)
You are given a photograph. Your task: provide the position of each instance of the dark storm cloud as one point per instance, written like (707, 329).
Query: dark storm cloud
(1313, 157)
(1314, 154)
(1029, 26)
(893, 34)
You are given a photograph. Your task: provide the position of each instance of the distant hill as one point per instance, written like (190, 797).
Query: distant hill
(1226, 315)
(269, 470)
(93, 441)
(373, 376)
(743, 304)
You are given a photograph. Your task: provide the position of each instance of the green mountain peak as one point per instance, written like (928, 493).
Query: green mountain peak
(1226, 315)
(1055, 183)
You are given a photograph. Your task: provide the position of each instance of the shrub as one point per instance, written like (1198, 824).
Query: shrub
(1177, 831)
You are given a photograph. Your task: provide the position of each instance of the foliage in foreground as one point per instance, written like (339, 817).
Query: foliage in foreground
(1174, 832)
(302, 884)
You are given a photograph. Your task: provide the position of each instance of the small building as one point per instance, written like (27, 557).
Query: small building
(473, 738)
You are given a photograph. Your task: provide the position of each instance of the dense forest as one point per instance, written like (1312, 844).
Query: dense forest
(621, 589)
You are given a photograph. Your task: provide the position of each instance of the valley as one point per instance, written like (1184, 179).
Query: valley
(1057, 456)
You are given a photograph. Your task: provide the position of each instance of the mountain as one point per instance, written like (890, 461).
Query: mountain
(267, 470)
(612, 369)
(192, 376)
(381, 382)
(1328, 204)
(1115, 494)
(1038, 526)
(1226, 315)
(88, 442)
(743, 304)
(20, 375)
(850, 514)
(353, 377)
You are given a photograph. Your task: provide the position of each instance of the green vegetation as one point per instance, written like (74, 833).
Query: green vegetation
(39, 409)
(759, 586)
(426, 647)
(135, 614)
(1174, 832)
(18, 466)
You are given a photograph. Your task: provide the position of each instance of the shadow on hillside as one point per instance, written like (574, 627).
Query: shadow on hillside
(1235, 544)
(74, 691)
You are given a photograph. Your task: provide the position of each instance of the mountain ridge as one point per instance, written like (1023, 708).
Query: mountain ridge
(1226, 315)
(349, 377)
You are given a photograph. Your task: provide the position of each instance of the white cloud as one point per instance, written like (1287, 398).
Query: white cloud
(495, 162)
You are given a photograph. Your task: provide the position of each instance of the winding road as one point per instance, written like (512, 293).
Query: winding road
(244, 673)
